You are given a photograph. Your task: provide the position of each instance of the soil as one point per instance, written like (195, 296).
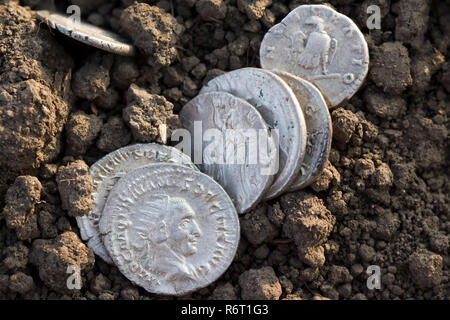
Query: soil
(383, 199)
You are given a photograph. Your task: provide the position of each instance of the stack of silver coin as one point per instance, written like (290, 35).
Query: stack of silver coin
(168, 227)
(172, 229)
(315, 58)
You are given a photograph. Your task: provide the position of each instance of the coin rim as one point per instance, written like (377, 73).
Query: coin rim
(246, 104)
(299, 143)
(362, 77)
(124, 48)
(85, 223)
(106, 231)
(318, 166)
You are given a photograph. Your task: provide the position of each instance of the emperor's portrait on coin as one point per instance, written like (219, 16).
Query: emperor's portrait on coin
(166, 234)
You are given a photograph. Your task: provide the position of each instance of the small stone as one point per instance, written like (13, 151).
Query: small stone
(172, 77)
(359, 296)
(239, 47)
(211, 74)
(387, 225)
(286, 284)
(32, 118)
(106, 296)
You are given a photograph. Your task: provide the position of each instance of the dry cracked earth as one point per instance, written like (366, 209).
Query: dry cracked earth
(382, 200)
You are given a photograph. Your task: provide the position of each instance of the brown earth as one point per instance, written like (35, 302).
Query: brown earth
(383, 199)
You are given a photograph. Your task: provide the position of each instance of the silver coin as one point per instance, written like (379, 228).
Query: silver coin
(108, 170)
(235, 160)
(279, 107)
(318, 127)
(87, 33)
(320, 45)
(170, 229)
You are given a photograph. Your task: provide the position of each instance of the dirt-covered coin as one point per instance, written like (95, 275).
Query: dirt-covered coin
(321, 45)
(279, 107)
(318, 126)
(243, 155)
(87, 33)
(108, 170)
(170, 229)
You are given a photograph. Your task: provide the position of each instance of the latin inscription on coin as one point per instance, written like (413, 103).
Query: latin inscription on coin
(321, 45)
(108, 170)
(170, 229)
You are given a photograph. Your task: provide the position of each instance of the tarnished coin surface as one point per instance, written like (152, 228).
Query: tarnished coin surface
(170, 229)
(87, 33)
(279, 107)
(318, 126)
(108, 170)
(238, 159)
(321, 45)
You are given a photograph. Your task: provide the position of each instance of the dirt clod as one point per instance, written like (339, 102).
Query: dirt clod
(425, 268)
(153, 31)
(81, 131)
(260, 284)
(75, 187)
(54, 257)
(308, 222)
(149, 116)
(19, 211)
(390, 67)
